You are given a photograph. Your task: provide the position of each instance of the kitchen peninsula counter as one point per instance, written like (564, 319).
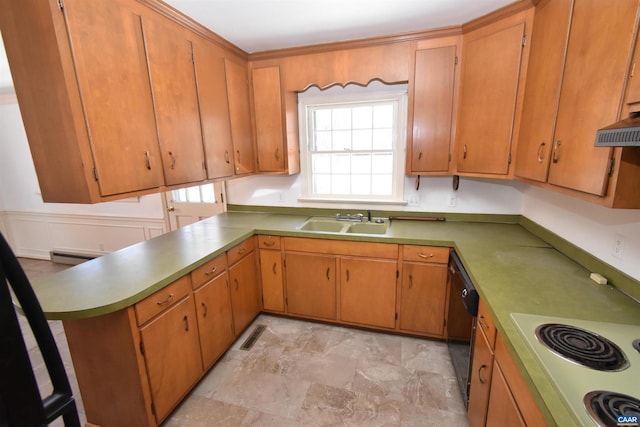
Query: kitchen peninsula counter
(514, 270)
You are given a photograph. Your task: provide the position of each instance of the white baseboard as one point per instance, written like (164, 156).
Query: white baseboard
(35, 234)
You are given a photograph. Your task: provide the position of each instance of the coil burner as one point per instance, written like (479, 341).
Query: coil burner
(582, 347)
(605, 407)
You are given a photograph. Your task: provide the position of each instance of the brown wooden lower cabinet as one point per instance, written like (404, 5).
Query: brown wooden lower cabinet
(481, 375)
(245, 292)
(502, 409)
(311, 285)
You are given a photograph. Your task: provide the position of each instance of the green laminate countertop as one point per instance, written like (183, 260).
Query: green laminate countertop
(514, 270)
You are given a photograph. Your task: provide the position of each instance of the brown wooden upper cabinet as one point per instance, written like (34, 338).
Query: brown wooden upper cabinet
(82, 82)
(240, 114)
(576, 78)
(492, 82)
(277, 149)
(214, 109)
(432, 101)
(175, 97)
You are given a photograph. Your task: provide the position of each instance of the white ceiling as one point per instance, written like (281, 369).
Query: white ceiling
(259, 25)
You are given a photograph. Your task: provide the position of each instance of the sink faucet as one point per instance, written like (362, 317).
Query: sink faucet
(348, 217)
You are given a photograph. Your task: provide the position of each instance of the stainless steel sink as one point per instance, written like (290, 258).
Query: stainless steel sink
(332, 225)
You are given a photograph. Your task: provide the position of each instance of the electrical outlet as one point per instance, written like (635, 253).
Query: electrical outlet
(618, 246)
(452, 201)
(414, 200)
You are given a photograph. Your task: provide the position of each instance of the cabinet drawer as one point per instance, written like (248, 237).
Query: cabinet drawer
(433, 254)
(269, 242)
(234, 254)
(341, 247)
(162, 299)
(486, 325)
(208, 271)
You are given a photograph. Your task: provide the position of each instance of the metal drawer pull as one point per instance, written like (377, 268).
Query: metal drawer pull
(278, 154)
(410, 281)
(420, 154)
(555, 151)
(186, 323)
(226, 156)
(421, 255)
(328, 270)
(213, 270)
(237, 284)
(204, 310)
(269, 243)
(540, 156)
(274, 267)
(347, 275)
(242, 250)
(173, 160)
(482, 380)
(166, 301)
(147, 160)
(464, 151)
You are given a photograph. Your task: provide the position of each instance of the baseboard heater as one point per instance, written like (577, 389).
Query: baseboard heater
(71, 258)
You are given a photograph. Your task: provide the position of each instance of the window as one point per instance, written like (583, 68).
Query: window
(197, 194)
(352, 144)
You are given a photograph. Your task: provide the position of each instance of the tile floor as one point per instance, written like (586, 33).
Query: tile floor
(302, 373)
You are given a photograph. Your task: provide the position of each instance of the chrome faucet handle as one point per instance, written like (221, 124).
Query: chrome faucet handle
(360, 217)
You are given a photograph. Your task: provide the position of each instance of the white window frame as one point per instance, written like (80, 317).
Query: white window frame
(345, 96)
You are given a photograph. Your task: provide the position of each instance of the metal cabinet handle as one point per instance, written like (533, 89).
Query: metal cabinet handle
(274, 267)
(269, 244)
(328, 270)
(347, 274)
(242, 250)
(186, 323)
(540, 153)
(226, 156)
(173, 160)
(555, 151)
(147, 160)
(277, 154)
(166, 301)
(420, 154)
(482, 323)
(213, 270)
(410, 281)
(464, 151)
(204, 310)
(482, 380)
(237, 284)
(238, 160)
(422, 255)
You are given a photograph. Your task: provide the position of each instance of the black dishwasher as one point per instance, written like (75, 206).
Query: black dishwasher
(463, 308)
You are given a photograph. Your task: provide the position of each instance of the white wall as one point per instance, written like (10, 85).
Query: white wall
(473, 196)
(591, 227)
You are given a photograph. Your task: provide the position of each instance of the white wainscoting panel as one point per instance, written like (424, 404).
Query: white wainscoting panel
(34, 234)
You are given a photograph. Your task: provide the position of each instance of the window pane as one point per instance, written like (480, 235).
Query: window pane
(341, 140)
(322, 141)
(362, 139)
(383, 116)
(322, 184)
(363, 118)
(322, 119)
(340, 184)
(193, 194)
(382, 139)
(179, 195)
(361, 163)
(321, 163)
(361, 185)
(381, 185)
(382, 163)
(340, 163)
(208, 193)
(341, 118)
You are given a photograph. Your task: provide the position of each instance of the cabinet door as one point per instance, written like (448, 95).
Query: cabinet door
(432, 110)
(109, 54)
(423, 298)
(368, 291)
(482, 366)
(272, 280)
(175, 99)
(490, 78)
(594, 75)
(311, 285)
(267, 105)
(215, 319)
(542, 93)
(244, 292)
(172, 355)
(240, 113)
(502, 410)
(214, 109)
